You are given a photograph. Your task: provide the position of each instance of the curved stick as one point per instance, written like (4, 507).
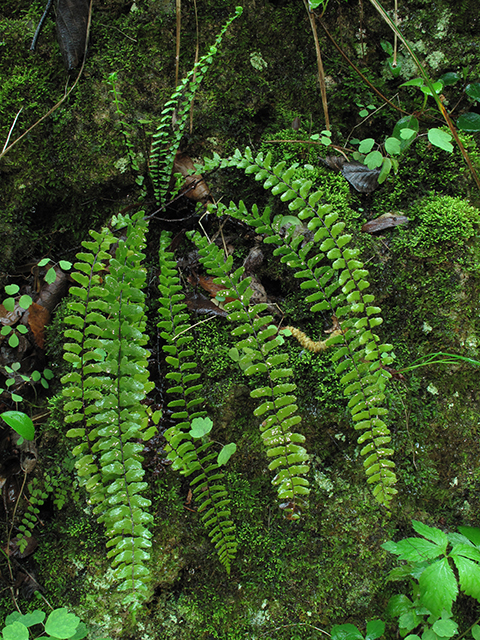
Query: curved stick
(40, 25)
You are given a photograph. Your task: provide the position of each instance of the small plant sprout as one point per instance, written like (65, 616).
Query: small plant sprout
(51, 274)
(324, 136)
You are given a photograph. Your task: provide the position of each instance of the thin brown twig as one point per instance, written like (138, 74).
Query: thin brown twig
(197, 50)
(321, 73)
(178, 9)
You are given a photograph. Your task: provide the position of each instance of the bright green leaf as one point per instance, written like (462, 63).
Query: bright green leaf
(226, 453)
(61, 624)
(440, 139)
(19, 422)
(50, 276)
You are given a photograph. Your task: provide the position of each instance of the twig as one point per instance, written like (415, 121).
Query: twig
(321, 74)
(11, 129)
(178, 9)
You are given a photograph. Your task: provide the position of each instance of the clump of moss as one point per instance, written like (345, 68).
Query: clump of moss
(439, 222)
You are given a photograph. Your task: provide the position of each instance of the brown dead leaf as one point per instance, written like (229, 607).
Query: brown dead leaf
(207, 283)
(195, 186)
(386, 221)
(37, 319)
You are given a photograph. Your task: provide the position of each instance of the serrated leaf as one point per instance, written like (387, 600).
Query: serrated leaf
(438, 587)
(469, 574)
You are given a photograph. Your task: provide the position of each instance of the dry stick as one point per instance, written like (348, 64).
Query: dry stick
(197, 49)
(429, 84)
(55, 107)
(395, 37)
(178, 8)
(11, 129)
(357, 70)
(321, 74)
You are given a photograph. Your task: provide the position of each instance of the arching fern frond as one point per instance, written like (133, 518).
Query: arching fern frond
(165, 141)
(191, 452)
(335, 278)
(259, 343)
(108, 381)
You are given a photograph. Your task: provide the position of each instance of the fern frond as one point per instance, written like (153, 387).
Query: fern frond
(105, 389)
(191, 452)
(260, 347)
(335, 278)
(165, 142)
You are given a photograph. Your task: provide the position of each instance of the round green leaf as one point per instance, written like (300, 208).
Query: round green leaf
(21, 328)
(445, 628)
(36, 617)
(226, 453)
(476, 632)
(17, 398)
(20, 423)
(9, 304)
(392, 146)
(15, 631)
(200, 427)
(466, 122)
(25, 302)
(406, 133)
(65, 265)
(473, 90)
(440, 139)
(366, 145)
(61, 624)
(374, 160)
(44, 262)
(5, 330)
(12, 289)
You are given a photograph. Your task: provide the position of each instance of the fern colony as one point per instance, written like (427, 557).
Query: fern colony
(108, 380)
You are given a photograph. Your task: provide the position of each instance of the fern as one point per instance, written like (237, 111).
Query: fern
(335, 278)
(165, 141)
(259, 344)
(188, 447)
(108, 381)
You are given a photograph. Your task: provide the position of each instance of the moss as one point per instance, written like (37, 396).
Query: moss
(438, 223)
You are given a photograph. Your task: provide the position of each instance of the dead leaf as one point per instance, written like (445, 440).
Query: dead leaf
(38, 317)
(14, 547)
(72, 25)
(361, 178)
(207, 283)
(386, 221)
(195, 186)
(203, 305)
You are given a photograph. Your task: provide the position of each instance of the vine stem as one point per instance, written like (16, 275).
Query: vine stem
(321, 73)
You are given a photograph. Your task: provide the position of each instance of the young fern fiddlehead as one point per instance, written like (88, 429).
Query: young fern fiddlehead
(188, 447)
(109, 378)
(260, 343)
(336, 278)
(165, 142)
